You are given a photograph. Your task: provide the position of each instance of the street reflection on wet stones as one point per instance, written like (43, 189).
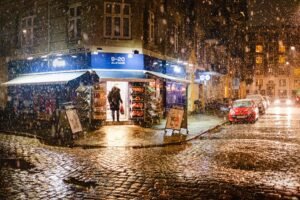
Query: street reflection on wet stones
(239, 161)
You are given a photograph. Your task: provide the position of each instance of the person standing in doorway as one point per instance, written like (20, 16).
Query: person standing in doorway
(114, 99)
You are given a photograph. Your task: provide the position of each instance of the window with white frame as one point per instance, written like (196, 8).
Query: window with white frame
(282, 82)
(117, 20)
(259, 82)
(176, 38)
(297, 83)
(27, 28)
(74, 27)
(151, 26)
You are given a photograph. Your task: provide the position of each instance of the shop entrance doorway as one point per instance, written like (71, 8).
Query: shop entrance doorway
(123, 86)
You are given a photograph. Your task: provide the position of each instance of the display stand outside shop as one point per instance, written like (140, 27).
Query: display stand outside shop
(176, 120)
(68, 124)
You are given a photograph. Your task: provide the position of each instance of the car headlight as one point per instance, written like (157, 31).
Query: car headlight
(232, 112)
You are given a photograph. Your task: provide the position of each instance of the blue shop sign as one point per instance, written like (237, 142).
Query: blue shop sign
(51, 63)
(117, 61)
(175, 70)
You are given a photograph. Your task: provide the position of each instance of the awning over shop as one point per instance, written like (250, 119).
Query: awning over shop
(211, 73)
(171, 78)
(45, 78)
(122, 75)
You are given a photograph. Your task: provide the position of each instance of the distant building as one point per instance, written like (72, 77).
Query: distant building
(273, 47)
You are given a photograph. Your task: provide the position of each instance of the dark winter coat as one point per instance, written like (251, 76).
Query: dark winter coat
(114, 99)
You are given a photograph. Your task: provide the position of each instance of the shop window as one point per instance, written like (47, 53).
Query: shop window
(259, 49)
(175, 94)
(151, 26)
(117, 21)
(74, 27)
(282, 82)
(27, 28)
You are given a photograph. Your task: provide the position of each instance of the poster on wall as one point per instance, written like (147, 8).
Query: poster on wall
(174, 119)
(73, 120)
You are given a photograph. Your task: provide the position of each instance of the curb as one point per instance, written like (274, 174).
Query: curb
(23, 134)
(152, 145)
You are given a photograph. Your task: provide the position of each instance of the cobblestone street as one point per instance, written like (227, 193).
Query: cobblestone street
(239, 161)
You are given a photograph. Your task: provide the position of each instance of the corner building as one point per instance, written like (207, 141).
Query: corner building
(139, 46)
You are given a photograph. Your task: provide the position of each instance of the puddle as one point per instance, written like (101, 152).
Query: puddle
(246, 161)
(15, 163)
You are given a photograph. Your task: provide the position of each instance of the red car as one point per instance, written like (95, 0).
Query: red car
(297, 99)
(243, 110)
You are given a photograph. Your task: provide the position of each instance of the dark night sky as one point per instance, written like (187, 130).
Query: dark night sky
(274, 12)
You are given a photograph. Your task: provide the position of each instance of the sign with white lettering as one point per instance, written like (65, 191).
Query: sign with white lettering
(121, 60)
(73, 120)
(117, 61)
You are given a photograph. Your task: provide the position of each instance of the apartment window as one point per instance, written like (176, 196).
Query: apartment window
(281, 48)
(258, 60)
(27, 26)
(281, 71)
(282, 93)
(151, 26)
(259, 49)
(297, 83)
(259, 82)
(281, 59)
(117, 21)
(258, 72)
(270, 70)
(282, 82)
(176, 38)
(74, 27)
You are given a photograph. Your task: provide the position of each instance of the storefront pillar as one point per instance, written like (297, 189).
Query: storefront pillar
(193, 95)
(3, 78)
(242, 90)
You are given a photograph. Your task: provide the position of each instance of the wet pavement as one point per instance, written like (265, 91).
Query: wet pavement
(136, 136)
(239, 161)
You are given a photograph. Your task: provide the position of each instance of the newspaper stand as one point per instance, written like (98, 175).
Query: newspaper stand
(176, 120)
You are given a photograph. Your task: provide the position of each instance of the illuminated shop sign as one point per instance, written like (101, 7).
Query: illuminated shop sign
(117, 61)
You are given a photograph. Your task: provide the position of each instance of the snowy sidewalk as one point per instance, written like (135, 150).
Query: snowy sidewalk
(136, 136)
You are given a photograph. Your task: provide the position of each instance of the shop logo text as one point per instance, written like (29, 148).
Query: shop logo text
(118, 60)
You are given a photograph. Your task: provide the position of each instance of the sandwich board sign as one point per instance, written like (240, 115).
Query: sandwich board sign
(176, 119)
(74, 120)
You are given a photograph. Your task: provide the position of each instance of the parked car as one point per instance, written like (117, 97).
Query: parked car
(283, 101)
(260, 102)
(243, 110)
(297, 99)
